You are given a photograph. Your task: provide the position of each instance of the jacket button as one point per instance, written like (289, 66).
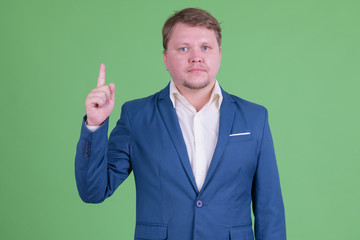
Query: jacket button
(199, 204)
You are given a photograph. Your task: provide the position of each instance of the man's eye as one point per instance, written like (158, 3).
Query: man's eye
(205, 48)
(183, 49)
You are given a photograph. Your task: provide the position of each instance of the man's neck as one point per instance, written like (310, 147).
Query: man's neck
(197, 97)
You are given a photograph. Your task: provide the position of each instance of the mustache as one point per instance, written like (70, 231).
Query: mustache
(197, 67)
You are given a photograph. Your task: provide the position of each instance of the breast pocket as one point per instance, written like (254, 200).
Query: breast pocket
(241, 233)
(240, 137)
(154, 232)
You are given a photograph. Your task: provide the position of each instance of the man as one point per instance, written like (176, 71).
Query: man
(199, 155)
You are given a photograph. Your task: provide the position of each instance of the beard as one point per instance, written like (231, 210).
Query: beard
(196, 86)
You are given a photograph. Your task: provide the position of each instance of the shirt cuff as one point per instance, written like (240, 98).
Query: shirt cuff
(92, 128)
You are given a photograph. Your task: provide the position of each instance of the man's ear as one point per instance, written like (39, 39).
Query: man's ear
(165, 59)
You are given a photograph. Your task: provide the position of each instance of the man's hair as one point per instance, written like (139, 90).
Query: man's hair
(192, 17)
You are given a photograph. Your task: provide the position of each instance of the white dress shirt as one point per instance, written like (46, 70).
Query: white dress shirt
(200, 130)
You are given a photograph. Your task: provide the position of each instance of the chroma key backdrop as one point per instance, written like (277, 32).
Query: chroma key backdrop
(299, 59)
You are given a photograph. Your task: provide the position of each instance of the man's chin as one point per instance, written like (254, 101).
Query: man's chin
(196, 86)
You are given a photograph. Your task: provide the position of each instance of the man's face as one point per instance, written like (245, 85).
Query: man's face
(192, 57)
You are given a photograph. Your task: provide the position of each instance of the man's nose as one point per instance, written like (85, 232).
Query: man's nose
(196, 57)
(196, 60)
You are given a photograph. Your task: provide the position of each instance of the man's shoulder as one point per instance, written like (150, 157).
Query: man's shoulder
(246, 105)
(252, 113)
(141, 101)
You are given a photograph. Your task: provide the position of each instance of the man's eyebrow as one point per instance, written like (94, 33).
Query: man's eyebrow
(187, 44)
(207, 42)
(183, 43)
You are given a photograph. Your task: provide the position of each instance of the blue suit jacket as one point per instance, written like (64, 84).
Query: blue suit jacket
(148, 141)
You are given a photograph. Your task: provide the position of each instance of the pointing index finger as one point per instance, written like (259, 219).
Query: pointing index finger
(101, 78)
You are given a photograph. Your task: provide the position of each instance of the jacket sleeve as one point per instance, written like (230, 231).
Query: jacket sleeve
(101, 165)
(267, 200)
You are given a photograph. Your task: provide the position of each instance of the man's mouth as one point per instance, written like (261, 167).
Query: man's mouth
(196, 70)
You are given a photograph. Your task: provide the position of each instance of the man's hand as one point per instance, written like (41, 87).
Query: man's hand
(100, 101)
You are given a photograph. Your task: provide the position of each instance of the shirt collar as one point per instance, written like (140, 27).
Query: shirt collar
(216, 94)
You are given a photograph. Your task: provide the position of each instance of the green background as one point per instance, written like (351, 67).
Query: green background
(300, 59)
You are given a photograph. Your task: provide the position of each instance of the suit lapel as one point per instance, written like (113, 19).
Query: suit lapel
(227, 113)
(169, 116)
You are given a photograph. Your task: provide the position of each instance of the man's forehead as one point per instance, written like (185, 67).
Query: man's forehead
(181, 25)
(184, 31)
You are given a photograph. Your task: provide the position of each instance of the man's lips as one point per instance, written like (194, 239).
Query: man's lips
(196, 70)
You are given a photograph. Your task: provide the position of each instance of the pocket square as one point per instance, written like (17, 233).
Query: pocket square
(239, 134)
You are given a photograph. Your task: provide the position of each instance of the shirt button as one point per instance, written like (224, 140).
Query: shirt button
(199, 204)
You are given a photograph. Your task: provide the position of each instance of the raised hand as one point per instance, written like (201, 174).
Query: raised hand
(100, 101)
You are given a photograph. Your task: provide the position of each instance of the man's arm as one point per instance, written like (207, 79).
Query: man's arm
(268, 204)
(101, 165)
